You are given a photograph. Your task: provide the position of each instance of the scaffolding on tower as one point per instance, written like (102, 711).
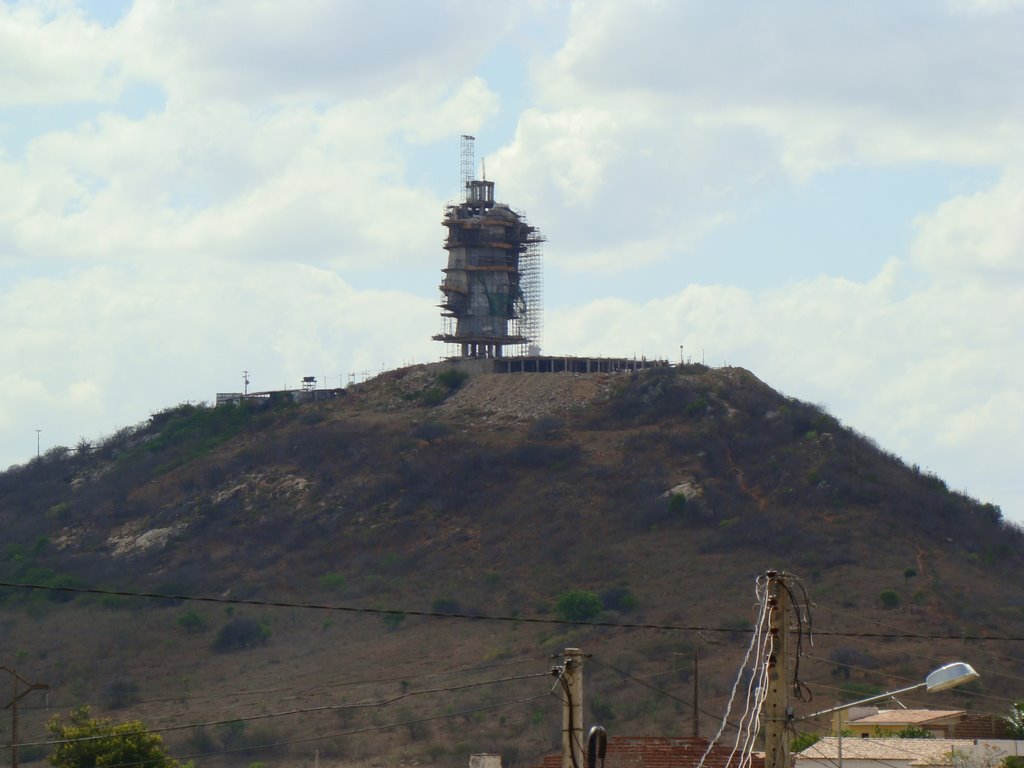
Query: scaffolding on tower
(492, 291)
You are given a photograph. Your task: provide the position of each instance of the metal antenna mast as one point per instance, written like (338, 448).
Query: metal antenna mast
(468, 163)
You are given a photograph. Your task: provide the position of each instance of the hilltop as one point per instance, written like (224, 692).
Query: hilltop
(663, 493)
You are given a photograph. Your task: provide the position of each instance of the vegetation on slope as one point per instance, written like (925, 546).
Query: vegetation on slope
(654, 500)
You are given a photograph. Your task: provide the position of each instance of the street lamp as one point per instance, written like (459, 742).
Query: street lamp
(941, 679)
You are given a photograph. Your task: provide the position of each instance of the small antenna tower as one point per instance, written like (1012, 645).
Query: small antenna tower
(468, 163)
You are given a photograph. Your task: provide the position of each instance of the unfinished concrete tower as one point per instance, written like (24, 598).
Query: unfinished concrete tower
(491, 291)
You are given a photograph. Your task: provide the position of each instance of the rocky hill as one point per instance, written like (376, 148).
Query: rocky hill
(423, 493)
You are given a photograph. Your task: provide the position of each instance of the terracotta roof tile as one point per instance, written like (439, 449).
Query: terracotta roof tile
(917, 751)
(906, 716)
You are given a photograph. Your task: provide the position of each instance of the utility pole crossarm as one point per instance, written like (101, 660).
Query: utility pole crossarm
(16, 696)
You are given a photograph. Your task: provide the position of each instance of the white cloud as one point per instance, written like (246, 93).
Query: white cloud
(48, 57)
(121, 343)
(980, 234)
(266, 52)
(151, 254)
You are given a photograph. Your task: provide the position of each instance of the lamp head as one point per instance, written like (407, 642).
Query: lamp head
(950, 676)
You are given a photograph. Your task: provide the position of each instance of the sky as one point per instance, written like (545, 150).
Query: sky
(830, 195)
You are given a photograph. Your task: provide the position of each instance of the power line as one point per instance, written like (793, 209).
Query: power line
(487, 617)
(306, 710)
(355, 732)
(859, 618)
(307, 691)
(662, 692)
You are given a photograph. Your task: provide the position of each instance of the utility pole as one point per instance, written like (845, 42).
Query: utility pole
(570, 677)
(696, 690)
(777, 711)
(15, 696)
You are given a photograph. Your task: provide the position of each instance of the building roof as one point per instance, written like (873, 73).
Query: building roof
(906, 716)
(917, 751)
(659, 752)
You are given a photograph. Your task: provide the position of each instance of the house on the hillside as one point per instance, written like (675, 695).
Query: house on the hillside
(659, 752)
(866, 722)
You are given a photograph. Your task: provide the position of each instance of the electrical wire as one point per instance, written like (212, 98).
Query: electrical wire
(756, 644)
(341, 734)
(489, 617)
(302, 711)
(645, 684)
(887, 625)
(304, 692)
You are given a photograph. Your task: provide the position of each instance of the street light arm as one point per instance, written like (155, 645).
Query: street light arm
(869, 700)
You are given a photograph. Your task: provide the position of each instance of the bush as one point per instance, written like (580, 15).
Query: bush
(333, 581)
(431, 431)
(619, 599)
(120, 693)
(446, 605)
(85, 741)
(192, 622)
(452, 379)
(239, 634)
(914, 732)
(677, 503)
(803, 741)
(890, 598)
(578, 605)
(393, 620)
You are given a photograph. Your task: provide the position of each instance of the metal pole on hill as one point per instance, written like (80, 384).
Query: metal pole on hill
(570, 677)
(15, 696)
(777, 711)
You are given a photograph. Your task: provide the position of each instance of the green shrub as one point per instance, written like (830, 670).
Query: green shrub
(434, 396)
(192, 622)
(120, 693)
(446, 605)
(578, 605)
(393, 620)
(333, 581)
(890, 598)
(618, 599)
(803, 741)
(677, 503)
(431, 431)
(239, 634)
(914, 732)
(452, 379)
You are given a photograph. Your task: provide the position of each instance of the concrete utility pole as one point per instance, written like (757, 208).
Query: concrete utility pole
(15, 696)
(696, 690)
(777, 711)
(571, 680)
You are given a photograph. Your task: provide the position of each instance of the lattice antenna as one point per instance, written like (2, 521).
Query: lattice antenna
(468, 164)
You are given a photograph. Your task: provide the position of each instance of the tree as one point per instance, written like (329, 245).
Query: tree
(1015, 720)
(578, 605)
(89, 742)
(914, 732)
